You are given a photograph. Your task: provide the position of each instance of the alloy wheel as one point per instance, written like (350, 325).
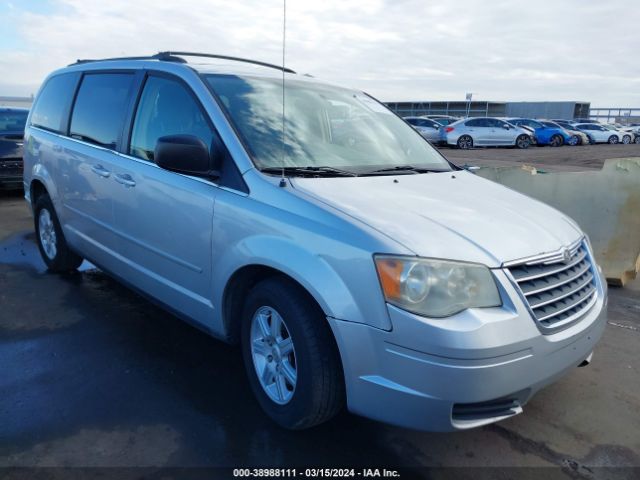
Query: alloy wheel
(556, 141)
(274, 356)
(523, 142)
(47, 233)
(465, 142)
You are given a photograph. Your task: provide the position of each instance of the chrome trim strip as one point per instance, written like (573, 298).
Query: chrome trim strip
(564, 295)
(574, 304)
(552, 272)
(543, 257)
(558, 284)
(573, 318)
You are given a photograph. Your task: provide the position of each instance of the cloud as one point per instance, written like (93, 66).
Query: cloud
(395, 50)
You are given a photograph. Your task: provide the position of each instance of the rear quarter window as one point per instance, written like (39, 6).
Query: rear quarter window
(52, 104)
(477, 122)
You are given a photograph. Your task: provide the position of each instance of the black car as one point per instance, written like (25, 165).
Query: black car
(12, 121)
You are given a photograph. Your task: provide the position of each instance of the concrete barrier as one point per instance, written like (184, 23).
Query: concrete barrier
(605, 203)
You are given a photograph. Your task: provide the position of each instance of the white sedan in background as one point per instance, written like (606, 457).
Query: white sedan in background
(601, 134)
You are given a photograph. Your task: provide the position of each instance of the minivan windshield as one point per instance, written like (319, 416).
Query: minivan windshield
(325, 126)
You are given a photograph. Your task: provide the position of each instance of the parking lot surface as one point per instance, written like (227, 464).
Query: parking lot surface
(95, 376)
(566, 158)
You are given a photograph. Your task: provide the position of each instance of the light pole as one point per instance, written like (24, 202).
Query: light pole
(469, 98)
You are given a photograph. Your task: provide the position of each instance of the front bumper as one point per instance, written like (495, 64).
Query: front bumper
(474, 368)
(11, 172)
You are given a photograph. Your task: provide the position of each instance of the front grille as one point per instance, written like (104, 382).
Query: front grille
(557, 290)
(10, 168)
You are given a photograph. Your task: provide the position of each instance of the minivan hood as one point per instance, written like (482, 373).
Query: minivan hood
(452, 215)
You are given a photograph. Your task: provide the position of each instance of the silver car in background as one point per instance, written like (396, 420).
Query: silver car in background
(429, 129)
(352, 263)
(485, 132)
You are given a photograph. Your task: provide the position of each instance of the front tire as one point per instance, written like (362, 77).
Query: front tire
(626, 139)
(290, 355)
(556, 141)
(574, 140)
(523, 141)
(51, 242)
(637, 139)
(465, 142)
(613, 139)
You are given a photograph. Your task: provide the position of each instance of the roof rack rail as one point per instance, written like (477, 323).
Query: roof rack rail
(172, 55)
(177, 57)
(158, 56)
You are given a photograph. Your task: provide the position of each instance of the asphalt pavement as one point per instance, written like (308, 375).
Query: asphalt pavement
(92, 375)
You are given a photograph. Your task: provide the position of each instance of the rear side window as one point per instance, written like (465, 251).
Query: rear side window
(12, 121)
(477, 122)
(100, 108)
(53, 101)
(166, 108)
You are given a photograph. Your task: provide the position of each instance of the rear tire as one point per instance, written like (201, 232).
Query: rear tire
(465, 142)
(613, 139)
(626, 139)
(637, 139)
(523, 141)
(290, 355)
(51, 242)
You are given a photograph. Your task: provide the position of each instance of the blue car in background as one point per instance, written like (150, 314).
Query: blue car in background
(544, 135)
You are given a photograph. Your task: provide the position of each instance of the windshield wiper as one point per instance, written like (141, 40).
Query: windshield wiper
(311, 171)
(402, 168)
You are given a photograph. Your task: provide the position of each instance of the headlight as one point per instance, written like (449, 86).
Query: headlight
(435, 288)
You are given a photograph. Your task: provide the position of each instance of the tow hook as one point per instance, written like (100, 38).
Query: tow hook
(586, 361)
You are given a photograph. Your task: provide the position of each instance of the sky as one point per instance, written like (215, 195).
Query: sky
(396, 50)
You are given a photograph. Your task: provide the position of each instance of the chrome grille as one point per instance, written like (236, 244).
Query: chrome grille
(558, 289)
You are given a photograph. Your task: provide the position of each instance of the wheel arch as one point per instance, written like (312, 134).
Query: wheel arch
(237, 288)
(256, 258)
(36, 189)
(41, 181)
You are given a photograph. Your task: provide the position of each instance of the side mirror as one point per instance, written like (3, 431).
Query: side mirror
(506, 126)
(470, 168)
(184, 154)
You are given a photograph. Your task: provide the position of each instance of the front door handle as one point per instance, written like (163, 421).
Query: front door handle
(100, 170)
(125, 179)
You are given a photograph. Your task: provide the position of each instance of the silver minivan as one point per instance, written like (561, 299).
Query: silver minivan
(353, 264)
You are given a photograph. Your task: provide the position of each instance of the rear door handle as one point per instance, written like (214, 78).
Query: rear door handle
(100, 170)
(125, 179)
